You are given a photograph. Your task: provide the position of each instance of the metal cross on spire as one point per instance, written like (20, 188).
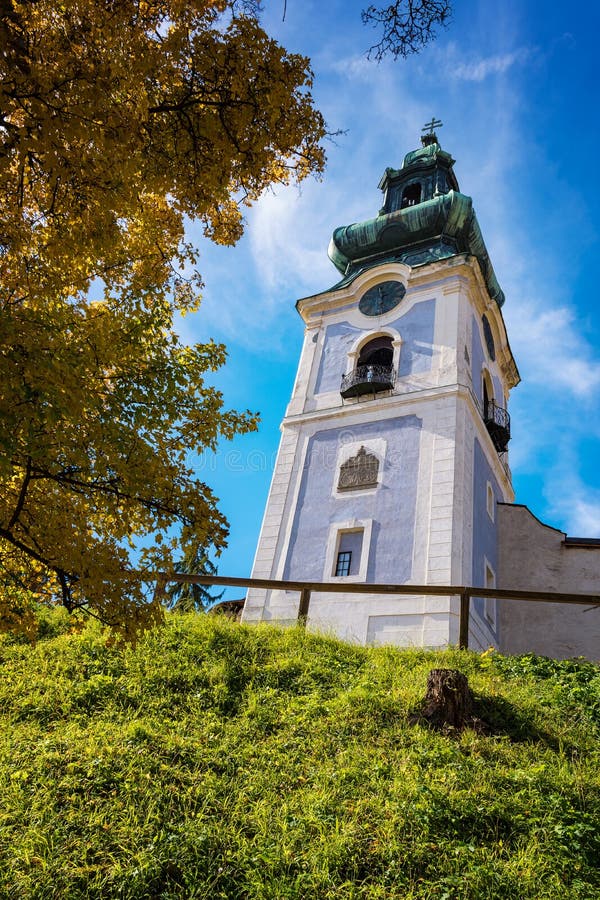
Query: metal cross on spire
(430, 127)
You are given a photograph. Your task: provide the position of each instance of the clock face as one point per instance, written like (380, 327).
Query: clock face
(381, 298)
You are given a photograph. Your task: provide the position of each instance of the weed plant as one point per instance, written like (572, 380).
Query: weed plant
(219, 761)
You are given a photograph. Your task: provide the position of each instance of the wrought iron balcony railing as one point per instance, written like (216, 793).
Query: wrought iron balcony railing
(497, 422)
(371, 379)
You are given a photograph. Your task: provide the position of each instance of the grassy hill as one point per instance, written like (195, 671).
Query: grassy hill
(218, 761)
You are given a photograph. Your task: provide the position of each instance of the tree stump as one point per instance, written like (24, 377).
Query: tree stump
(449, 701)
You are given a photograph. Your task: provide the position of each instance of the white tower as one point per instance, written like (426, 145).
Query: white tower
(392, 473)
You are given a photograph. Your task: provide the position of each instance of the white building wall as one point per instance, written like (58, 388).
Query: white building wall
(536, 557)
(441, 398)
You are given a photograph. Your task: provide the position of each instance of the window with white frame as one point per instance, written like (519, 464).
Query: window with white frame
(347, 552)
(490, 501)
(374, 348)
(489, 607)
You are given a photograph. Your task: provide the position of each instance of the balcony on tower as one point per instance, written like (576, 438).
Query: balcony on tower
(374, 371)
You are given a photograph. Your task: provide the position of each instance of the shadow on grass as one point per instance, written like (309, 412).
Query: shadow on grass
(501, 717)
(493, 716)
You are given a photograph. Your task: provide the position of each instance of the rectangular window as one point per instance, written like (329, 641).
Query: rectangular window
(490, 501)
(347, 551)
(344, 560)
(350, 546)
(489, 609)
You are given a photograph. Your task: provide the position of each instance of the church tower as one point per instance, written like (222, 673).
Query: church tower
(393, 454)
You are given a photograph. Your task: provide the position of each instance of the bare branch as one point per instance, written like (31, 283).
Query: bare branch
(408, 25)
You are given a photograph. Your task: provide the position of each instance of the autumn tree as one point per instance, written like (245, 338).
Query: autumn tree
(119, 119)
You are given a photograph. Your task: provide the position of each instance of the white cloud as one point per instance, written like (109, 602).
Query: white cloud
(583, 518)
(288, 233)
(479, 69)
(550, 349)
(358, 67)
(572, 502)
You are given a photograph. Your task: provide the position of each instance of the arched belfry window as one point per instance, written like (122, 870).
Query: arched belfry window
(378, 352)
(411, 195)
(487, 394)
(373, 368)
(497, 419)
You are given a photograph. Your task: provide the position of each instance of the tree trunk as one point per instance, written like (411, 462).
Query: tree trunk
(448, 701)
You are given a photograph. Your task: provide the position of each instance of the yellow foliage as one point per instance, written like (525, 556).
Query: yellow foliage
(118, 121)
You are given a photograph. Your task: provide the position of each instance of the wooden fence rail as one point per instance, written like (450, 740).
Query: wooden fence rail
(306, 588)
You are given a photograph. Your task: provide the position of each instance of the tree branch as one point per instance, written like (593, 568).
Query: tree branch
(408, 25)
(22, 494)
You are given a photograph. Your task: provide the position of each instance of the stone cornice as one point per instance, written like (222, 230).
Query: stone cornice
(387, 408)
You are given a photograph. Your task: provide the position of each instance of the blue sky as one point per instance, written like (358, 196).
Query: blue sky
(517, 92)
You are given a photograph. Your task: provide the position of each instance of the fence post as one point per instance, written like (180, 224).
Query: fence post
(463, 621)
(303, 606)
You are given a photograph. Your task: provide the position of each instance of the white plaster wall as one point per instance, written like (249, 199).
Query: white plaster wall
(432, 545)
(277, 513)
(442, 398)
(535, 557)
(405, 620)
(473, 303)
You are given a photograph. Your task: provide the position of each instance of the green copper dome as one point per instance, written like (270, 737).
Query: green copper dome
(424, 217)
(427, 153)
(425, 174)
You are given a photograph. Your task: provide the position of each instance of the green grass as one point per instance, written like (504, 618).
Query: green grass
(218, 761)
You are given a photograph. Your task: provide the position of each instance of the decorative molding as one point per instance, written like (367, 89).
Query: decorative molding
(348, 450)
(360, 471)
